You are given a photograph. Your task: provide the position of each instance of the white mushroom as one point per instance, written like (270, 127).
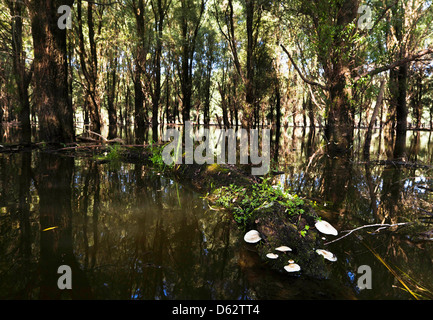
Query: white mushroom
(326, 228)
(272, 256)
(252, 236)
(327, 255)
(291, 261)
(283, 249)
(293, 267)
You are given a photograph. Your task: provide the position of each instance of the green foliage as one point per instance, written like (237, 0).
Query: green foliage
(156, 157)
(304, 232)
(112, 155)
(245, 202)
(200, 40)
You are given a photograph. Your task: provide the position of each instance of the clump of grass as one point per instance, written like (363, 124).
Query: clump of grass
(156, 157)
(112, 154)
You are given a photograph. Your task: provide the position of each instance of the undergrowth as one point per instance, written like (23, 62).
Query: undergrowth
(246, 202)
(112, 154)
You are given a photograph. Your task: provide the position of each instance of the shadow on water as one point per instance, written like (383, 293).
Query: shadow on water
(128, 232)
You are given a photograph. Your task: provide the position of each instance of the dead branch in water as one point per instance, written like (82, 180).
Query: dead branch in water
(380, 225)
(104, 140)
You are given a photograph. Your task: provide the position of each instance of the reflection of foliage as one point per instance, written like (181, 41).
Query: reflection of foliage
(148, 243)
(131, 232)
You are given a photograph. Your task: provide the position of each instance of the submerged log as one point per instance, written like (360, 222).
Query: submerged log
(278, 229)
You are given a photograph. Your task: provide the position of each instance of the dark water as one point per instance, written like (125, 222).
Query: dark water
(128, 232)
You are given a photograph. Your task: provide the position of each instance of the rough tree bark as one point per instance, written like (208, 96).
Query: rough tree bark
(51, 72)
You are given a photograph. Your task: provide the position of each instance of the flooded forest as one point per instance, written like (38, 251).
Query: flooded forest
(94, 93)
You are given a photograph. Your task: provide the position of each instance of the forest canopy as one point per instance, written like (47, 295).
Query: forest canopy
(234, 63)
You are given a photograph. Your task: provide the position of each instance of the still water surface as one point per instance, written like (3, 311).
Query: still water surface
(129, 232)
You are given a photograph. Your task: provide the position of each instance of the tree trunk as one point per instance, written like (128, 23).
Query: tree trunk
(139, 117)
(311, 112)
(209, 56)
(51, 72)
(159, 13)
(186, 81)
(250, 99)
(378, 106)
(22, 77)
(401, 106)
(417, 101)
(89, 66)
(111, 107)
(222, 91)
(278, 112)
(340, 125)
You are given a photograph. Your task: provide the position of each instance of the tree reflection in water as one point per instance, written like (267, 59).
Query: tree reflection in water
(128, 232)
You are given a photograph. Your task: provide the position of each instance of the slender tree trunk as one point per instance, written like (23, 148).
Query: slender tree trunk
(222, 90)
(417, 101)
(401, 107)
(159, 12)
(278, 111)
(377, 107)
(89, 66)
(250, 100)
(186, 83)
(189, 37)
(311, 112)
(111, 107)
(167, 99)
(22, 77)
(206, 108)
(139, 116)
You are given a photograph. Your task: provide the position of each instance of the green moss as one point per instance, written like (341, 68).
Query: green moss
(216, 168)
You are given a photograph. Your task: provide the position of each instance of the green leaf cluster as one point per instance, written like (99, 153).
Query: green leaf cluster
(246, 202)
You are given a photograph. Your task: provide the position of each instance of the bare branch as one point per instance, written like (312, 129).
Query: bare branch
(381, 226)
(310, 82)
